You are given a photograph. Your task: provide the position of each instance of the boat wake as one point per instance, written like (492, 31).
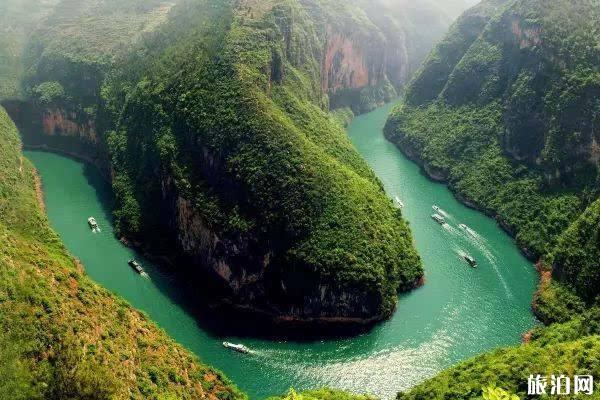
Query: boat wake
(450, 229)
(459, 252)
(480, 243)
(443, 213)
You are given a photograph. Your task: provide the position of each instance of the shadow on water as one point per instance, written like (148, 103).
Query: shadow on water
(102, 188)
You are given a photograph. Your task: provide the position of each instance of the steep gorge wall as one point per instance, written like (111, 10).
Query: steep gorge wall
(60, 128)
(345, 65)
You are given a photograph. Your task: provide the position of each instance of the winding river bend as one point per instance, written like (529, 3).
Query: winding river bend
(460, 311)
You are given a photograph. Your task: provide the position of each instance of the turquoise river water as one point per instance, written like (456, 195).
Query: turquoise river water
(460, 311)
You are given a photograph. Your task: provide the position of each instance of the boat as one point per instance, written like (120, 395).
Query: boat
(436, 208)
(463, 226)
(240, 348)
(136, 266)
(399, 202)
(439, 219)
(470, 260)
(92, 223)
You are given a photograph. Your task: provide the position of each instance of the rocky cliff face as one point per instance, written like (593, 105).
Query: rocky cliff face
(371, 48)
(346, 66)
(63, 123)
(250, 272)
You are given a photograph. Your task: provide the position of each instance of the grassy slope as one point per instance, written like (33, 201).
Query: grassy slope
(64, 336)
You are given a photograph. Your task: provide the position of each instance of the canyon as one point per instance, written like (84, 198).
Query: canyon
(356, 68)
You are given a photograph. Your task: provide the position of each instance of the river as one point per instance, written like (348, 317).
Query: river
(460, 311)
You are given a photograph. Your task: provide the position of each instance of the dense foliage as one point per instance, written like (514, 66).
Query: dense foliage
(321, 394)
(255, 152)
(577, 254)
(61, 335)
(504, 110)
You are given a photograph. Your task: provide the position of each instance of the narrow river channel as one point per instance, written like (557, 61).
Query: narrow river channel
(460, 312)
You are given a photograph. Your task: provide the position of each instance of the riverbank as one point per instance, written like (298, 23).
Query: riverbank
(439, 177)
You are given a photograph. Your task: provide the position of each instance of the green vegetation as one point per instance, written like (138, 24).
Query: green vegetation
(17, 19)
(257, 155)
(343, 116)
(509, 368)
(217, 111)
(494, 393)
(577, 254)
(461, 146)
(504, 110)
(61, 335)
(48, 93)
(321, 394)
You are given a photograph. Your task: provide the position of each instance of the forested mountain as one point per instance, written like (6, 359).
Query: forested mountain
(506, 109)
(17, 19)
(212, 121)
(510, 121)
(216, 114)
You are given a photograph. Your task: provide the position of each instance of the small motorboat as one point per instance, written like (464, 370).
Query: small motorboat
(93, 224)
(436, 208)
(240, 348)
(398, 202)
(463, 226)
(470, 260)
(439, 219)
(136, 266)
